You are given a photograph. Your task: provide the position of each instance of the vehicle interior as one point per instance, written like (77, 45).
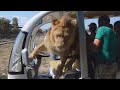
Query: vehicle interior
(33, 33)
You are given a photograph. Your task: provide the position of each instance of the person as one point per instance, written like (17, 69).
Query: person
(105, 43)
(117, 30)
(111, 26)
(92, 29)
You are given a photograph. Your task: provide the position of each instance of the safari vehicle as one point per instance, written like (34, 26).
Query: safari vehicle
(19, 65)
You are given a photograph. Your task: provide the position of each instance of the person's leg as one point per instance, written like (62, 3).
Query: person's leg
(104, 71)
(91, 69)
(98, 71)
(118, 62)
(112, 71)
(91, 66)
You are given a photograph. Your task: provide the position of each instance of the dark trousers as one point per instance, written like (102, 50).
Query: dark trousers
(91, 67)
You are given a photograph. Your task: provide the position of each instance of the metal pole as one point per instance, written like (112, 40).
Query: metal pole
(82, 40)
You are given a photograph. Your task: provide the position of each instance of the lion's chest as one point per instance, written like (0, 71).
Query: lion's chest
(54, 50)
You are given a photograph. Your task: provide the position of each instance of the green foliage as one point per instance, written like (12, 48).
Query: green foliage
(6, 27)
(15, 23)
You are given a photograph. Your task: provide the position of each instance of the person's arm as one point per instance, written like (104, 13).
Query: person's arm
(96, 45)
(97, 40)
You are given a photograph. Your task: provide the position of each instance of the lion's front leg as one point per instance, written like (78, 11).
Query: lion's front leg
(69, 64)
(60, 67)
(38, 49)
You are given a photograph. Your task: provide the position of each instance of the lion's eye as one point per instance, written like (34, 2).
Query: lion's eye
(57, 36)
(66, 35)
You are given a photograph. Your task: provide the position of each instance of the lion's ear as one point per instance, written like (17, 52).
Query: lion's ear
(55, 22)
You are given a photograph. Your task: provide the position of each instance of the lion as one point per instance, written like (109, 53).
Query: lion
(60, 40)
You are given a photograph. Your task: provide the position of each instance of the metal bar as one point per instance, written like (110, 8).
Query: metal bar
(82, 40)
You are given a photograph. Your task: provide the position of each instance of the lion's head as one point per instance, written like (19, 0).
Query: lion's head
(62, 33)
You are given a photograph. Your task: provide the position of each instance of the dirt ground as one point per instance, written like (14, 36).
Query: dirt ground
(5, 49)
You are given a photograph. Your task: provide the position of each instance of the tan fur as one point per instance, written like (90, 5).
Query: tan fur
(60, 40)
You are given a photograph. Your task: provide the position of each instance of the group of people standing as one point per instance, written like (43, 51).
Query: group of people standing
(106, 41)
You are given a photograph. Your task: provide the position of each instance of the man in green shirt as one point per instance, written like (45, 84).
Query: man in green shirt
(105, 43)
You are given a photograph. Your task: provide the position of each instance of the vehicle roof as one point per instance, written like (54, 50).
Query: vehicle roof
(92, 14)
(95, 14)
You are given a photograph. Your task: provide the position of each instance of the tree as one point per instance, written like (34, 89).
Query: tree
(15, 25)
(5, 25)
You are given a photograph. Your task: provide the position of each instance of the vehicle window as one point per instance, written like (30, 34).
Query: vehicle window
(15, 60)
